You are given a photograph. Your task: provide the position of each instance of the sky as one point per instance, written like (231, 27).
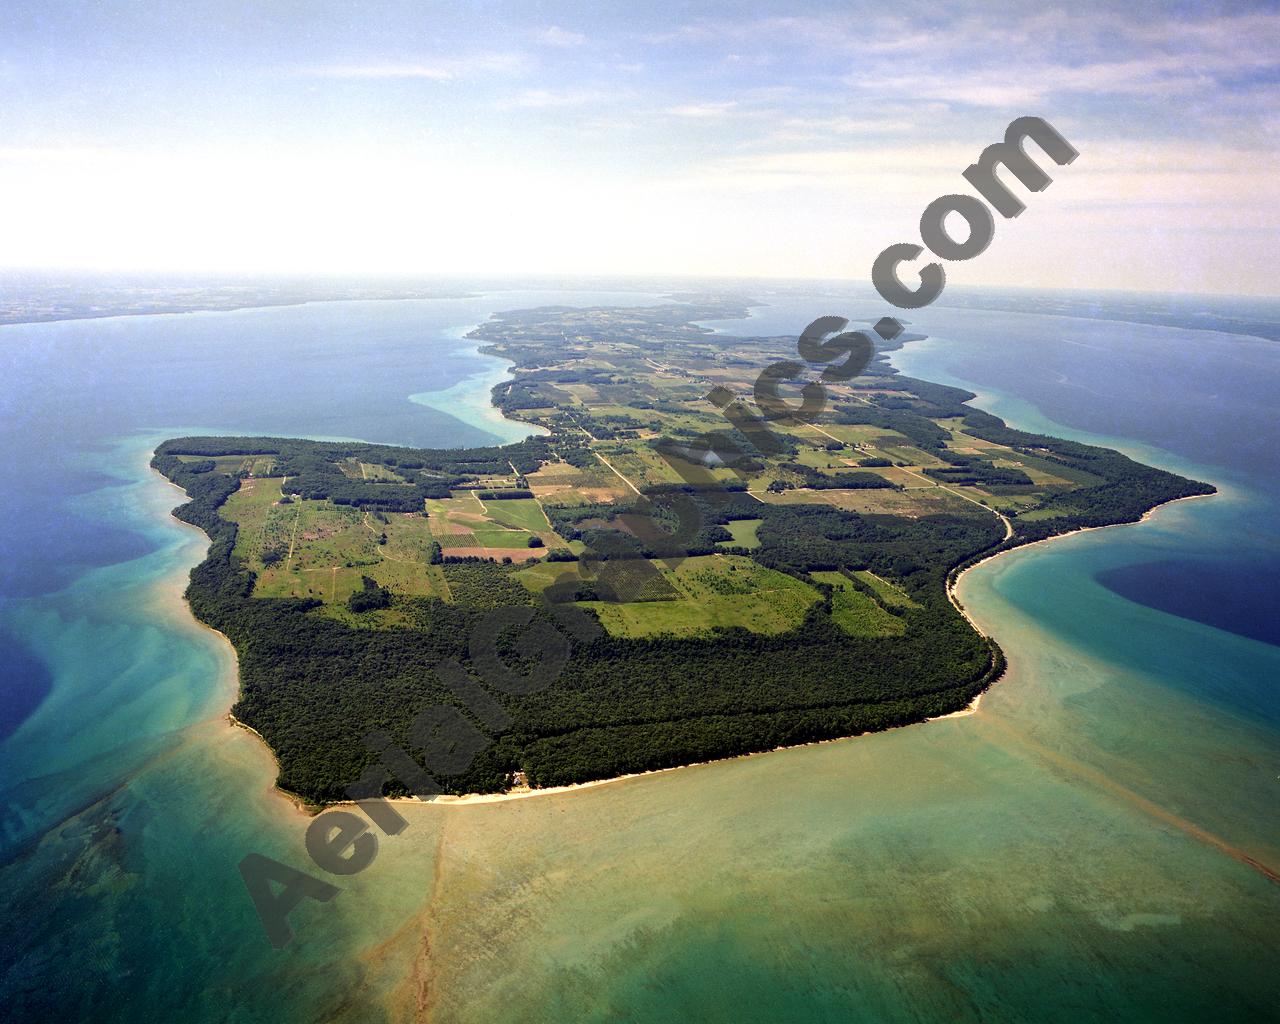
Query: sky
(789, 140)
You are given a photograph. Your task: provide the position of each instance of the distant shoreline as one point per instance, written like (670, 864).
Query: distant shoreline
(17, 320)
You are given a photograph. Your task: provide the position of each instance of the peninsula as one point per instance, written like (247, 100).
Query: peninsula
(814, 602)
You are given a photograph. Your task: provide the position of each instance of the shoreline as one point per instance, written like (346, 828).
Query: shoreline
(471, 799)
(291, 303)
(171, 594)
(462, 398)
(953, 586)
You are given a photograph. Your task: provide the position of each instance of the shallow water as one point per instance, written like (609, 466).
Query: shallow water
(1077, 850)
(1086, 847)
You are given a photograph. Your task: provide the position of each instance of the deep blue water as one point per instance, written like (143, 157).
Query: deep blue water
(1234, 595)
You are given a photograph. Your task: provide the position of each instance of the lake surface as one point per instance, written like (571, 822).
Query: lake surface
(1078, 850)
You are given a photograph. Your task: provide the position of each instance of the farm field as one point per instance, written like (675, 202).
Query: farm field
(321, 550)
(744, 533)
(715, 592)
(886, 591)
(857, 613)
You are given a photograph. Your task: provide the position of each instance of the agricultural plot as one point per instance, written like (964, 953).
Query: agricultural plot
(264, 522)
(458, 514)
(538, 577)
(993, 498)
(358, 470)
(889, 593)
(1052, 472)
(716, 592)
(744, 533)
(409, 536)
(489, 528)
(1038, 476)
(583, 394)
(568, 485)
(642, 466)
(903, 477)
(858, 614)
(322, 550)
(852, 433)
(911, 504)
(825, 461)
(1038, 514)
(255, 465)
(906, 453)
(520, 514)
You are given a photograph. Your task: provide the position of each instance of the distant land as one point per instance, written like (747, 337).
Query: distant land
(814, 603)
(33, 297)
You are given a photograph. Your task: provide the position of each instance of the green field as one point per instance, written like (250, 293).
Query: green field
(717, 592)
(324, 549)
(498, 538)
(886, 591)
(358, 470)
(255, 465)
(744, 533)
(857, 613)
(519, 514)
(540, 575)
(1035, 515)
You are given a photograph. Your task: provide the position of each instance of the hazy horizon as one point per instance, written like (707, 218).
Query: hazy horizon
(789, 142)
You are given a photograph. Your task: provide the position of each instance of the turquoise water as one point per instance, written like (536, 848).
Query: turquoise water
(1077, 850)
(128, 803)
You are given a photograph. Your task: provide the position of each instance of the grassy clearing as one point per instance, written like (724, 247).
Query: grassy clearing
(886, 591)
(857, 613)
(717, 592)
(499, 538)
(1040, 513)
(255, 465)
(744, 533)
(519, 514)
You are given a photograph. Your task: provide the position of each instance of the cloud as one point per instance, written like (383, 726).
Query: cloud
(703, 111)
(434, 72)
(803, 129)
(552, 98)
(557, 36)
(437, 70)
